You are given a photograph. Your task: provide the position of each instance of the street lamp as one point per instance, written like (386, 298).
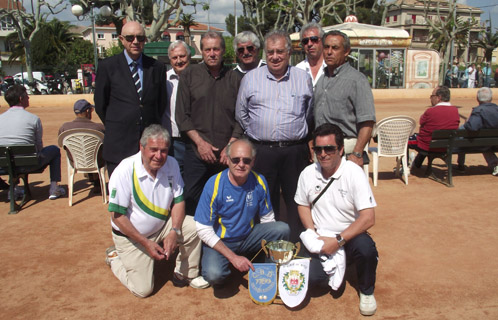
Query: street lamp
(77, 11)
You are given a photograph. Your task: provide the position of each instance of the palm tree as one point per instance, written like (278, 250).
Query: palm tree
(488, 41)
(187, 21)
(49, 45)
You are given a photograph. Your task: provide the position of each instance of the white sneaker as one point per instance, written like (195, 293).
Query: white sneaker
(495, 171)
(199, 283)
(368, 305)
(110, 255)
(57, 193)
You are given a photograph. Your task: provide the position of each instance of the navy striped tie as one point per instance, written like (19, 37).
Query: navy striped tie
(136, 78)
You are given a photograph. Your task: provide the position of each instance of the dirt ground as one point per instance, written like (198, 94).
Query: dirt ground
(437, 252)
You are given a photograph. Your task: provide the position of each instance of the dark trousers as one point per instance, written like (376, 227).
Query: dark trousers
(362, 252)
(281, 166)
(195, 175)
(110, 167)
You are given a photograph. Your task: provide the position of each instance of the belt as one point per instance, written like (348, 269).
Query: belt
(278, 143)
(118, 233)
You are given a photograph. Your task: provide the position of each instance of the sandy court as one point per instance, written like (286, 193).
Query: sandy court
(438, 258)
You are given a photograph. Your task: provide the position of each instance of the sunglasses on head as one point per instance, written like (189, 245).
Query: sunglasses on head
(236, 160)
(313, 39)
(131, 38)
(242, 49)
(328, 149)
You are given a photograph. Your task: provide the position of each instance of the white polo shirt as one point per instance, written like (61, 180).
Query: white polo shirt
(338, 207)
(144, 199)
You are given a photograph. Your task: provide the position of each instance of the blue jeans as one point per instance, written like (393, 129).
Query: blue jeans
(51, 156)
(216, 267)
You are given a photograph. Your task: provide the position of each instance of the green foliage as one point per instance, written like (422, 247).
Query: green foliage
(114, 49)
(51, 44)
(229, 56)
(80, 52)
(243, 24)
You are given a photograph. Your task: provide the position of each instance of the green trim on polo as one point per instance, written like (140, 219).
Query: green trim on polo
(117, 208)
(145, 204)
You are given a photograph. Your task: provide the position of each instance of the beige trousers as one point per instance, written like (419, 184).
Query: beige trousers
(134, 267)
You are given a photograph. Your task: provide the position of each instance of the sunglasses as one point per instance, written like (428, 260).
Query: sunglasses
(242, 49)
(328, 149)
(236, 160)
(313, 39)
(131, 38)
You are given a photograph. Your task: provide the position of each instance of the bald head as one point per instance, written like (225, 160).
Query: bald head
(133, 39)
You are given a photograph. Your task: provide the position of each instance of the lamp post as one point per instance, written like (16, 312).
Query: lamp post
(77, 11)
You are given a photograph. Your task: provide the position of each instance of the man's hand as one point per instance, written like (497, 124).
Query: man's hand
(170, 244)
(355, 159)
(224, 157)
(241, 263)
(330, 245)
(154, 250)
(205, 150)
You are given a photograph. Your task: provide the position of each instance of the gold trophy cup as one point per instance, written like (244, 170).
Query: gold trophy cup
(280, 251)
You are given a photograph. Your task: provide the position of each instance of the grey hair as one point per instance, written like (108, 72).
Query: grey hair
(275, 34)
(345, 39)
(154, 131)
(484, 94)
(311, 25)
(213, 35)
(246, 141)
(176, 44)
(246, 36)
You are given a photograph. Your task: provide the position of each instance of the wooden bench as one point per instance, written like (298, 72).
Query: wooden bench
(18, 161)
(466, 141)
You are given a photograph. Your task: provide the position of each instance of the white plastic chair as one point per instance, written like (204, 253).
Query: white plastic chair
(393, 133)
(82, 148)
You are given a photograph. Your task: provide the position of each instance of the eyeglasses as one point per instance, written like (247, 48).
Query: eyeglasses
(131, 38)
(328, 149)
(313, 39)
(236, 160)
(242, 49)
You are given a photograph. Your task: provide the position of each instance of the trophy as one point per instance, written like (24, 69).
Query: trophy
(280, 251)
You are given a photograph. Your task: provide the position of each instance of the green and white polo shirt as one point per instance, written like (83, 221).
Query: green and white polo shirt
(145, 200)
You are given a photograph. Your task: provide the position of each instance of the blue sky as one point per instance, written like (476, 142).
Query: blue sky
(490, 7)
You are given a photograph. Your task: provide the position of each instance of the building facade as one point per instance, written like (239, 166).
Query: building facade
(410, 15)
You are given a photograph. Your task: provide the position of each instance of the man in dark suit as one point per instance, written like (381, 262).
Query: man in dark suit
(130, 95)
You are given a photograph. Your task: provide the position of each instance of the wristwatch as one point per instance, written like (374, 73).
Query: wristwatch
(340, 240)
(178, 231)
(357, 154)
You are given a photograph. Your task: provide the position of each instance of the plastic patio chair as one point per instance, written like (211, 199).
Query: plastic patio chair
(393, 133)
(82, 148)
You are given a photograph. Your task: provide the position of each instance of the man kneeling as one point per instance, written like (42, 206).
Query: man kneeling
(225, 217)
(147, 207)
(336, 206)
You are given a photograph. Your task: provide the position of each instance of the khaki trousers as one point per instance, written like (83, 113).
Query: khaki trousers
(134, 267)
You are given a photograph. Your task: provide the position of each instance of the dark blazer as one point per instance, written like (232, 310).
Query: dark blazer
(119, 107)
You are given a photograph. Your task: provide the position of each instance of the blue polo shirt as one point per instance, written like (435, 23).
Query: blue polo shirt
(230, 209)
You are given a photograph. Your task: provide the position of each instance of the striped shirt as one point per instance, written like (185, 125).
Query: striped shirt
(275, 110)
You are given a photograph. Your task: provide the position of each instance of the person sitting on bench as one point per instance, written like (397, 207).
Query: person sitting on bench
(484, 116)
(441, 115)
(18, 126)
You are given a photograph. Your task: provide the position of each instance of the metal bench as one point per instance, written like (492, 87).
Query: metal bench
(458, 141)
(18, 161)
